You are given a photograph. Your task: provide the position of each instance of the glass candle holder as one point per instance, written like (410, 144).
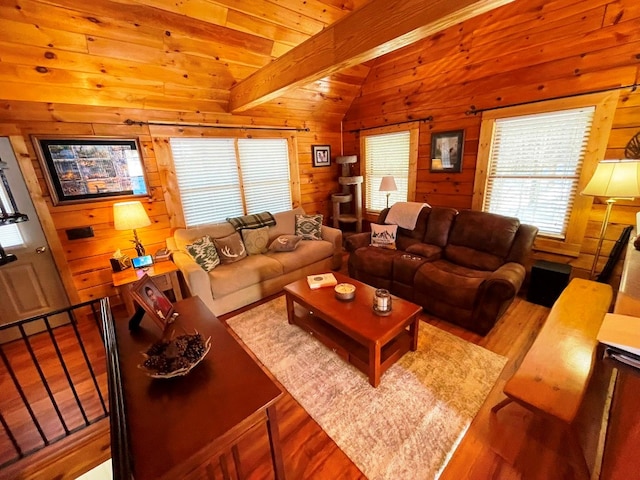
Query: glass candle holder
(382, 301)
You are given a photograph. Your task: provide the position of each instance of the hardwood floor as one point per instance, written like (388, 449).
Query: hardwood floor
(511, 445)
(90, 407)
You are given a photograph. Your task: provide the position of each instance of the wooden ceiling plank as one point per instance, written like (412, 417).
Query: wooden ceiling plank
(112, 97)
(63, 19)
(168, 21)
(217, 51)
(30, 34)
(325, 13)
(276, 14)
(264, 28)
(101, 47)
(197, 9)
(215, 76)
(379, 27)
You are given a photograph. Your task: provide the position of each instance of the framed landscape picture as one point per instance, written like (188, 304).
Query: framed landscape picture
(446, 151)
(321, 155)
(83, 169)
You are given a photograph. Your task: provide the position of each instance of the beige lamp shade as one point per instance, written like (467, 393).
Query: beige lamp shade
(388, 184)
(615, 179)
(129, 216)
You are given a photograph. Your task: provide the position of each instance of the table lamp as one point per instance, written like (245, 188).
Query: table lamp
(388, 184)
(129, 216)
(615, 180)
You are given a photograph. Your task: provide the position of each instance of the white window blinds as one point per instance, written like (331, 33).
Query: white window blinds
(386, 154)
(534, 167)
(265, 174)
(218, 180)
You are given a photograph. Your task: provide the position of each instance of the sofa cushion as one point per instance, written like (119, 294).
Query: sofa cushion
(405, 267)
(481, 240)
(285, 243)
(253, 269)
(375, 262)
(439, 226)
(255, 240)
(186, 236)
(450, 283)
(309, 227)
(421, 223)
(306, 253)
(285, 223)
(384, 236)
(204, 252)
(430, 252)
(230, 248)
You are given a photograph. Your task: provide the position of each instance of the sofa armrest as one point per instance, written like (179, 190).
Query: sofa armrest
(505, 282)
(357, 240)
(172, 246)
(334, 235)
(195, 277)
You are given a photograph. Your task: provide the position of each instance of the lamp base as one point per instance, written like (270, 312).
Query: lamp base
(603, 230)
(137, 245)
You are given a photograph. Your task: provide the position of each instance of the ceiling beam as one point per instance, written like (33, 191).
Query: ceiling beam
(375, 29)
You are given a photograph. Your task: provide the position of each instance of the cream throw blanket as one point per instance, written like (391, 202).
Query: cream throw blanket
(405, 214)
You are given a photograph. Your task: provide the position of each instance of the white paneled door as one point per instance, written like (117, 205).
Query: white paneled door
(30, 285)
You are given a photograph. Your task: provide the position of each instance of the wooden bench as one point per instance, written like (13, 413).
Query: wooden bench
(553, 376)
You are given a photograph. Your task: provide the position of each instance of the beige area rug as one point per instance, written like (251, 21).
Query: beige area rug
(406, 428)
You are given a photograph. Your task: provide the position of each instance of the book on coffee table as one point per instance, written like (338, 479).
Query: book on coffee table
(321, 280)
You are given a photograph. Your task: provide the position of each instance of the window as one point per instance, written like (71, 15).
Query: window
(533, 164)
(10, 233)
(389, 151)
(227, 177)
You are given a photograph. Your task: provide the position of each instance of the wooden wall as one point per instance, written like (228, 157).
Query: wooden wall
(526, 51)
(84, 263)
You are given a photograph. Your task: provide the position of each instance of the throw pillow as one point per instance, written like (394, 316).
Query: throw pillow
(203, 251)
(309, 227)
(285, 243)
(255, 240)
(230, 248)
(384, 236)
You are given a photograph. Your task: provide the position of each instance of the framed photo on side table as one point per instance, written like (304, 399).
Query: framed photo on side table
(153, 301)
(321, 155)
(446, 151)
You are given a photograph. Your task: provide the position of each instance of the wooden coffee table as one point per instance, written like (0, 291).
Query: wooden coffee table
(370, 342)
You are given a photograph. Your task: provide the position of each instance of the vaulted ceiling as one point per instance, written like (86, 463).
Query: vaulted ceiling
(198, 55)
(156, 54)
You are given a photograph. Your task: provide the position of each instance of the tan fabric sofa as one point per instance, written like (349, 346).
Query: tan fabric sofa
(231, 286)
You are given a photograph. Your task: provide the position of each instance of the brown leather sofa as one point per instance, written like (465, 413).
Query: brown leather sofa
(464, 267)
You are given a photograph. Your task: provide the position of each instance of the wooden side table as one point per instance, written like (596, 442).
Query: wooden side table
(189, 427)
(164, 275)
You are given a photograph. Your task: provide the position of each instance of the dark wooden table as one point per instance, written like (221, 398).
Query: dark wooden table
(187, 427)
(372, 343)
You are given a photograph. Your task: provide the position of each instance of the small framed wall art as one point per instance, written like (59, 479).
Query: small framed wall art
(82, 169)
(446, 151)
(321, 155)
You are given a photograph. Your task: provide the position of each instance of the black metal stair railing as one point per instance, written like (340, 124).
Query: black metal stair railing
(52, 383)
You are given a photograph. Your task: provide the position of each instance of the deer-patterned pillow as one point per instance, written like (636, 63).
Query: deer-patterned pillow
(230, 248)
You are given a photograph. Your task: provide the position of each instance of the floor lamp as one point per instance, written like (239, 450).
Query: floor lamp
(614, 180)
(388, 184)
